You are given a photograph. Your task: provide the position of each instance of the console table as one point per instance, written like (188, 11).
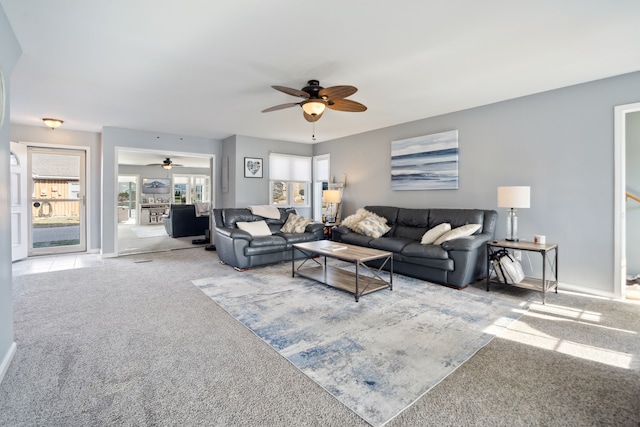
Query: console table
(549, 280)
(152, 213)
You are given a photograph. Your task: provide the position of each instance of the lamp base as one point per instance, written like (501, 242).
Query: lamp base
(512, 240)
(512, 226)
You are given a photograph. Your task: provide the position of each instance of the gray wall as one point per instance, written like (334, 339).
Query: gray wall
(255, 191)
(558, 142)
(9, 53)
(60, 137)
(633, 186)
(117, 138)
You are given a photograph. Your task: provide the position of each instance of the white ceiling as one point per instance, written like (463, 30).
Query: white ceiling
(204, 68)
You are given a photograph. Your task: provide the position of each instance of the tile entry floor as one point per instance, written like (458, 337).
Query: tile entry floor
(43, 264)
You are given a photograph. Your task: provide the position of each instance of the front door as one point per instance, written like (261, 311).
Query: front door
(57, 199)
(19, 205)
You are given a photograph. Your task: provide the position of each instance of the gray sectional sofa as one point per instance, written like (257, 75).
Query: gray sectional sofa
(242, 250)
(455, 263)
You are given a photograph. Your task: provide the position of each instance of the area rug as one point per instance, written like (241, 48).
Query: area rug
(149, 231)
(377, 356)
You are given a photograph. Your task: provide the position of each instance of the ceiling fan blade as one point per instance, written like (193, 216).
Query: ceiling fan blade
(337, 92)
(346, 105)
(280, 107)
(290, 91)
(311, 118)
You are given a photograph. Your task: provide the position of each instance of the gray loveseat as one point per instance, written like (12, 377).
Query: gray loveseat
(455, 263)
(241, 250)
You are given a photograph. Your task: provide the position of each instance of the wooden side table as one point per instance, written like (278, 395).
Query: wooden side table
(328, 229)
(543, 285)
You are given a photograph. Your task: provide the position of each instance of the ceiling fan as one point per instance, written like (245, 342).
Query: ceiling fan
(316, 98)
(166, 164)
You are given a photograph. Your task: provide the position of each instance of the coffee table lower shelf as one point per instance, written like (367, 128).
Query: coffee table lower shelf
(345, 280)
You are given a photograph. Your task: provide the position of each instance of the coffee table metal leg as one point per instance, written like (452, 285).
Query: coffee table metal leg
(357, 276)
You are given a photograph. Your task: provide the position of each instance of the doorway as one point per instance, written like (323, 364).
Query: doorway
(127, 199)
(621, 242)
(56, 199)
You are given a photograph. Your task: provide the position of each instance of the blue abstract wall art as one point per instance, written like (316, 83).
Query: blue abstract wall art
(428, 162)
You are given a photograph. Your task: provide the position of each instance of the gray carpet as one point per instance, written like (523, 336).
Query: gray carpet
(155, 239)
(135, 343)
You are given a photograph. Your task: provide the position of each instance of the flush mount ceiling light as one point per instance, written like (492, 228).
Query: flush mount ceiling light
(52, 123)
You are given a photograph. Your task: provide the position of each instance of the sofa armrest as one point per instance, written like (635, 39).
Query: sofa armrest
(234, 233)
(315, 228)
(467, 243)
(338, 232)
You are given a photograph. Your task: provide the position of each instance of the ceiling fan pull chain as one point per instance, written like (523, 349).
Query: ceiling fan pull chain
(313, 136)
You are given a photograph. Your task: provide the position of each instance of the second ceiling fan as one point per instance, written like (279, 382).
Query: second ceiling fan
(166, 164)
(316, 98)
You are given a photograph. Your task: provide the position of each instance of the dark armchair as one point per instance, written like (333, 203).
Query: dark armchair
(181, 221)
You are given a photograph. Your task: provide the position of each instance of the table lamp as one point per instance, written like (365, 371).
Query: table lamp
(512, 198)
(331, 197)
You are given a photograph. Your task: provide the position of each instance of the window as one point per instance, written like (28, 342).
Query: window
(320, 183)
(289, 180)
(190, 189)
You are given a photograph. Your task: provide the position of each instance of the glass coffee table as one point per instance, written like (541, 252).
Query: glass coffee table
(356, 283)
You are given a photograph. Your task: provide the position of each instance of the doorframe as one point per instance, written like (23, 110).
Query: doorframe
(620, 243)
(83, 246)
(116, 166)
(88, 180)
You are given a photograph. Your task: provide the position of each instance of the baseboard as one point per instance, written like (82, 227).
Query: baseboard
(4, 367)
(583, 290)
(108, 255)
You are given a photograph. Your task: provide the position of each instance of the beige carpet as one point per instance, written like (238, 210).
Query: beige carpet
(135, 343)
(155, 241)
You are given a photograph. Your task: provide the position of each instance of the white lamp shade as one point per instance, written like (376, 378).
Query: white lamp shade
(331, 196)
(514, 197)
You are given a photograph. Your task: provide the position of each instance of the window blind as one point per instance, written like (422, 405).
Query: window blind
(283, 167)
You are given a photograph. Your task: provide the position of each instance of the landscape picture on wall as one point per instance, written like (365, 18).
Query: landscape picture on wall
(428, 162)
(156, 185)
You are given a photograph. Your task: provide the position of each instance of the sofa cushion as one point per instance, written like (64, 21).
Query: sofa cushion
(295, 224)
(392, 244)
(292, 238)
(415, 249)
(465, 230)
(388, 212)
(351, 221)
(231, 216)
(411, 223)
(255, 228)
(263, 241)
(284, 214)
(441, 264)
(372, 226)
(356, 239)
(432, 234)
(455, 217)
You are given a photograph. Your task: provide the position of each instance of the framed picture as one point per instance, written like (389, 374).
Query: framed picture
(151, 200)
(428, 162)
(253, 167)
(156, 185)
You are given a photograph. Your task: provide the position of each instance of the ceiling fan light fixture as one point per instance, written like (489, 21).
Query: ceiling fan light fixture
(313, 107)
(52, 123)
(166, 166)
